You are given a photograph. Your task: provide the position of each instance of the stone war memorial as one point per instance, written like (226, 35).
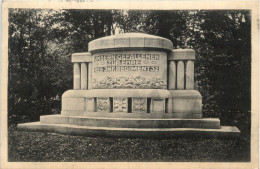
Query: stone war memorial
(132, 85)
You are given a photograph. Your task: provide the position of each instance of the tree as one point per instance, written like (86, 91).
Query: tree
(223, 63)
(129, 20)
(35, 62)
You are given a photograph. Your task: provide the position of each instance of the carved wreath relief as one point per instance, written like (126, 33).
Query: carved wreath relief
(139, 105)
(103, 105)
(135, 82)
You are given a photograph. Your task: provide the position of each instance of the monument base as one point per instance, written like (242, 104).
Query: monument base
(185, 104)
(131, 113)
(130, 127)
(224, 131)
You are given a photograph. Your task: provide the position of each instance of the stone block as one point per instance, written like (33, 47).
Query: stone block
(81, 57)
(90, 105)
(223, 131)
(76, 121)
(137, 42)
(180, 75)
(157, 105)
(74, 94)
(84, 76)
(108, 43)
(103, 104)
(77, 131)
(139, 105)
(186, 103)
(73, 103)
(187, 115)
(189, 75)
(172, 76)
(90, 72)
(169, 105)
(54, 119)
(35, 126)
(94, 45)
(118, 114)
(72, 113)
(182, 54)
(76, 76)
(144, 93)
(62, 129)
(122, 42)
(167, 45)
(144, 122)
(120, 105)
(153, 43)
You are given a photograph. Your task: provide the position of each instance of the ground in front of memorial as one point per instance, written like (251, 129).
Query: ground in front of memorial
(26, 146)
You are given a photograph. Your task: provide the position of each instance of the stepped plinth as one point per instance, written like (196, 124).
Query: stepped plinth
(132, 85)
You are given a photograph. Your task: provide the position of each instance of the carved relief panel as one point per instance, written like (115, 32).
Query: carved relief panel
(120, 105)
(139, 105)
(103, 104)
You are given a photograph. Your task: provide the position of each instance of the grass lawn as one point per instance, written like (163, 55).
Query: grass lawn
(40, 146)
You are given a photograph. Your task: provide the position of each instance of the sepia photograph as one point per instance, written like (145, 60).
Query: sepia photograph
(130, 85)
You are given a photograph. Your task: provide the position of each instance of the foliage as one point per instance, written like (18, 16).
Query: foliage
(42, 41)
(224, 63)
(38, 67)
(130, 82)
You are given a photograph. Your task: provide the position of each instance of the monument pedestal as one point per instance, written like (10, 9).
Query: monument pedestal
(68, 129)
(178, 119)
(132, 85)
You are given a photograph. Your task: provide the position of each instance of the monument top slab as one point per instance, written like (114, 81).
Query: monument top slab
(130, 41)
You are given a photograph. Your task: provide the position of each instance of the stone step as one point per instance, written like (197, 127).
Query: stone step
(132, 115)
(223, 131)
(207, 123)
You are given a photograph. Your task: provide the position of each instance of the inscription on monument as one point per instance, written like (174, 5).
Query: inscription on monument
(126, 62)
(130, 69)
